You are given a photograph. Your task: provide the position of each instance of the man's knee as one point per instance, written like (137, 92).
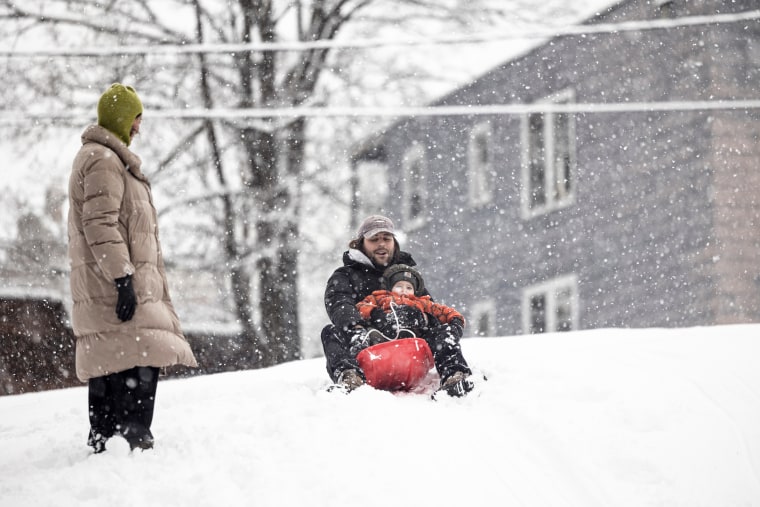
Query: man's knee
(330, 336)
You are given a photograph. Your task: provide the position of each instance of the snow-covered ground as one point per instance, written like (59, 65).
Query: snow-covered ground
(594, 418)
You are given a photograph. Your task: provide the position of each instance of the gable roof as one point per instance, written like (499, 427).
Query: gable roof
(594, 12)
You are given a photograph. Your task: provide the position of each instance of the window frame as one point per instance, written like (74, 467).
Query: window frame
(553, 194)
(479, 191)
(482, 308)
(414, 186)
(550, 289)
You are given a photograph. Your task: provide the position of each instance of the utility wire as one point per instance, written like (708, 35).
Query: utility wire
(357, 44)
(16, 117)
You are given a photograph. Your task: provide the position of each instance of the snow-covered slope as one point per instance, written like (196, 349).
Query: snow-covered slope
(595, 418)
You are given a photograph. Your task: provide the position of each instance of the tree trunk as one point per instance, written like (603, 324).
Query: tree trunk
(260, 202)
(240, 281)
(283, 302)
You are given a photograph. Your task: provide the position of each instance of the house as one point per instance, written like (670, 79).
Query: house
(37, 344)
(567, 214)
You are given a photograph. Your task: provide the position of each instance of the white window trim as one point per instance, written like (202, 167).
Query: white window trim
(487, 307)
(550, 289)
(478, 175)
(552, 203)
(414, 154)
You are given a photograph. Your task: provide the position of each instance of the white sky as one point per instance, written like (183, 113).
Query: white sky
(28, 169)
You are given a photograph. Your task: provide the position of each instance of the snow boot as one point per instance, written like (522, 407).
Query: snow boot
(97, 441)
(144, 443)
(137, 436)
(457, 384)
(348, 380)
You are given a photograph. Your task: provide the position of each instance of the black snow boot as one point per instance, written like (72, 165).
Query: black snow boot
(138, 437)
(457, 385)
(97, 441)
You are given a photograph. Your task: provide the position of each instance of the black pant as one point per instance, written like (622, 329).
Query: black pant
(123, 402)
(447, 353)
(339, 359)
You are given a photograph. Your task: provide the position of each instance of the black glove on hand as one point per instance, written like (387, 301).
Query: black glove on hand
(380, 321)
(408, 317)
(456, 328)
(127, 301)
(358, 340)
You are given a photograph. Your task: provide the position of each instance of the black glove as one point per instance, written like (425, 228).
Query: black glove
(127, 301)
(447, 336)
(380, 321)
(456, 328)
(407, 317)
(358, 340)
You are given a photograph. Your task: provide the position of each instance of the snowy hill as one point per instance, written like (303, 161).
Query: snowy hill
(594, 418)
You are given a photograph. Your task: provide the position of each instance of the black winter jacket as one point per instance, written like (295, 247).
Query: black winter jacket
(349, 284)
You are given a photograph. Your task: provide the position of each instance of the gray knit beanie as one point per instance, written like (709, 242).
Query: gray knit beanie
(398, 272)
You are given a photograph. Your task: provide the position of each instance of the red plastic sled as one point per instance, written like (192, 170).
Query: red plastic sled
(398, 365)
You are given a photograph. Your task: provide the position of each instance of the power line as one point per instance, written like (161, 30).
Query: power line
(174, 49)
(18, 117)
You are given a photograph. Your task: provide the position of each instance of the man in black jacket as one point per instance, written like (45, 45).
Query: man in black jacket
(374, 248)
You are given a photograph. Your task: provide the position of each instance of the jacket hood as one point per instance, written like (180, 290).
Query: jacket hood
(101, 135)
(353, 257)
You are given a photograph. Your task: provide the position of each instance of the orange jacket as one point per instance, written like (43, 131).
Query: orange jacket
(383, 298)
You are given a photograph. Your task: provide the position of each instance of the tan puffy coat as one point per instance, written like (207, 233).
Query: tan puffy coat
(113, 232)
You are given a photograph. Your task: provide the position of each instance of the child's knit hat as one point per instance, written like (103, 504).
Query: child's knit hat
(398, 272)
(117, 109)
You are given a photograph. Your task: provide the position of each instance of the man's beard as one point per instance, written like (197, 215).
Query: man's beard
(377, 262)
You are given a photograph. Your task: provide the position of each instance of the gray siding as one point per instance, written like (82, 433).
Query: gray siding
(664, 228)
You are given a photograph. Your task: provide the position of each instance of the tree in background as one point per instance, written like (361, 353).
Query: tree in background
(238, 182)
(36, 254)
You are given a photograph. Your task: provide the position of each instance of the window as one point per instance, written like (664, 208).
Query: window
(667, 8)
(481, 322)
(551, 306)
(536, 161)
(414, 187)
(548, 158)
(537, 313)
(479, 165)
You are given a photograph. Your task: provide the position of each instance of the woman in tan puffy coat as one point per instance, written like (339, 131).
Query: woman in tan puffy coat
(123, 318)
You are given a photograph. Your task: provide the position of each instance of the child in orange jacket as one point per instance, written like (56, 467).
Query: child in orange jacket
(396, 304)
(404, 310)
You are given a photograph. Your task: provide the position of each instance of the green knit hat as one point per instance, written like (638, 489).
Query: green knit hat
(117, 109)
